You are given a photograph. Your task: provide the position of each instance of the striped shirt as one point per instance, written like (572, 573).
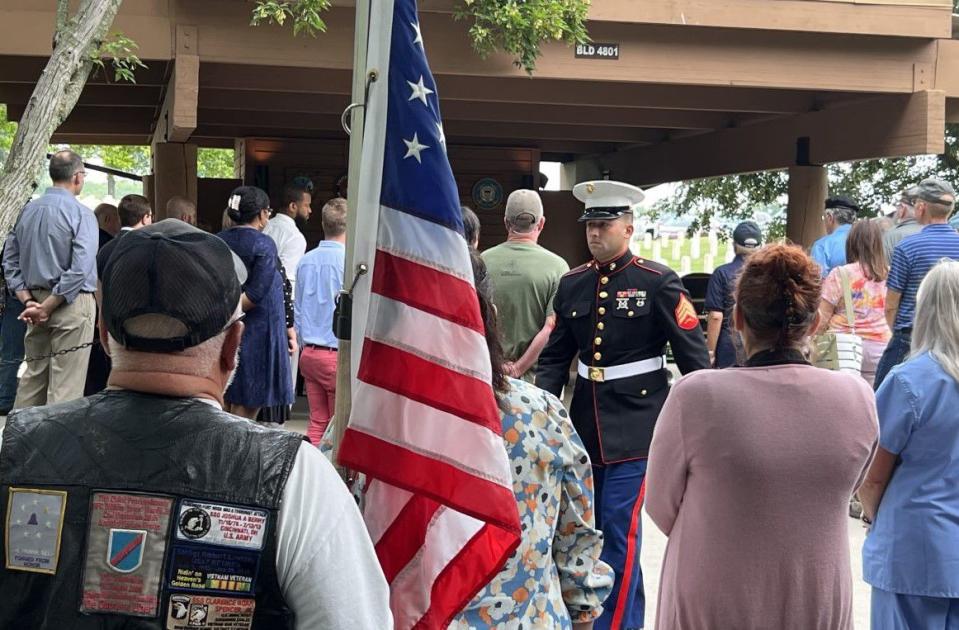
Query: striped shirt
(912, 259)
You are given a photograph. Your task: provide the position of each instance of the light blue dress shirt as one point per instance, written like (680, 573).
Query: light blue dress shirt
(53, 246)
(319, 278)
(913, 547)
(830, 250)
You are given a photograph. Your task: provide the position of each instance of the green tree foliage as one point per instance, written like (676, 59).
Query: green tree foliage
(517, 28)
(303, 14)
(215, 163)
(7, 129)
(718, 201)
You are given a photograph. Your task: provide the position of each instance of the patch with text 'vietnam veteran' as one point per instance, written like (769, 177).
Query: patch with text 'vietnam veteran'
(203, 611)
(126, 545)
(223, 525)
(209, 569)
(34, 529)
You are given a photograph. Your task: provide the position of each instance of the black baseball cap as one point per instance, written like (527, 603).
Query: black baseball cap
(748, 234)
(172, 269)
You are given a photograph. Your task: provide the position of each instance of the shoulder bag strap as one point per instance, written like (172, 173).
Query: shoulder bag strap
(847, 299)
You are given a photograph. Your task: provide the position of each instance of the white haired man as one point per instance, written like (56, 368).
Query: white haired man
(146, 502)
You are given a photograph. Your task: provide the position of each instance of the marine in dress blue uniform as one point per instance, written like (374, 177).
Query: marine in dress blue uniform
(615, 314)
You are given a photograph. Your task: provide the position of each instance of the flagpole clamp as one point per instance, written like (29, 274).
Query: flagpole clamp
(371, 78)
(343, 313)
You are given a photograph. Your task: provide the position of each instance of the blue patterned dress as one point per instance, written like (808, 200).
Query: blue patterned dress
(263, 376)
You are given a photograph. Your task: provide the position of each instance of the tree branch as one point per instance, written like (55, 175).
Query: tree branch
(53, 99)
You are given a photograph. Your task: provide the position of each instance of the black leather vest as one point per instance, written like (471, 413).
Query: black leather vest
(148, 513)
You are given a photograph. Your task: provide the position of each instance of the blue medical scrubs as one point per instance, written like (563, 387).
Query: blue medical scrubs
(911, 555)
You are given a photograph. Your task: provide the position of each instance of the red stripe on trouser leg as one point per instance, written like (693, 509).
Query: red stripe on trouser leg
(626, 584)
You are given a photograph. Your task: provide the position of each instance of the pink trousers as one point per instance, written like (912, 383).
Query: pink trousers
(318, 367)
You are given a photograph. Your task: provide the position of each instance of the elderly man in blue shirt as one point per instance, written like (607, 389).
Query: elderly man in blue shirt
(49, 262)
(912, 259)
(830, 250)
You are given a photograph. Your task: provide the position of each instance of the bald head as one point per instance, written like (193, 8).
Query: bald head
(181, 208)
(108, 218)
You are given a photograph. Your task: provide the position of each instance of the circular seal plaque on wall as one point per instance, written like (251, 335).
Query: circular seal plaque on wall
(487, 194)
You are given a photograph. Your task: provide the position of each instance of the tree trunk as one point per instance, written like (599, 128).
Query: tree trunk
(111, 186)
(52, 101)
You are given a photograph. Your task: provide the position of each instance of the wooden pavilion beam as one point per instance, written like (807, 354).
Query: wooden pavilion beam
(889, 126)
(178, 116)
(234, 82)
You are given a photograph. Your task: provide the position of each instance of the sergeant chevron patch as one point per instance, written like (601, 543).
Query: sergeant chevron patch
(686, 313)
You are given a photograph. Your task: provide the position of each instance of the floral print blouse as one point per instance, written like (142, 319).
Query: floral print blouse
(555, 578)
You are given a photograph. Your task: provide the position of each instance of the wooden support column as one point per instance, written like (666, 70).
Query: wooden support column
(807, 199)
(174, 159)
(174, 173)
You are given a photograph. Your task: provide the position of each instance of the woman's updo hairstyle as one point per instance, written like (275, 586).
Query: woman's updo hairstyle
(778, 293)
(245, 203)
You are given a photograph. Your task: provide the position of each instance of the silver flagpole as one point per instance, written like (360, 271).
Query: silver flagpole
(358, 115)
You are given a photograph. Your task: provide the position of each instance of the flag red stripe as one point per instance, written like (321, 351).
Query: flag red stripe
(405, 535)
(463, 492)
(427, 289)
(126, 551)
(467, 574)
(464, 396)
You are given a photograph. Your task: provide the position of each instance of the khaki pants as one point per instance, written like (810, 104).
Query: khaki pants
(61, 378)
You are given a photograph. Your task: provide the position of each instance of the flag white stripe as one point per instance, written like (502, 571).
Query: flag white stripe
(448, 533)
(424, 242)
(433, 338)
(430, 432)
(387, 502)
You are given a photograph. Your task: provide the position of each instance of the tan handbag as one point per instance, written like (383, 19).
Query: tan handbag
(841, 352)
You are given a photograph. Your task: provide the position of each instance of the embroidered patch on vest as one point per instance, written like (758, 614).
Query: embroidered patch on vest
(202, 611)
(686, 313)
(34, 529)
(126, 545)
(225, 525)
(209, 569)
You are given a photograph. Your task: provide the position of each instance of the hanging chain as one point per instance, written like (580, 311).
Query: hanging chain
(58, 353)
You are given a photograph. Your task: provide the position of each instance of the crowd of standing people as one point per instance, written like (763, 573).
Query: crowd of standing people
(747, 462)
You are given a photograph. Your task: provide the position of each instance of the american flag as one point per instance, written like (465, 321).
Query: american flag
(424, 425)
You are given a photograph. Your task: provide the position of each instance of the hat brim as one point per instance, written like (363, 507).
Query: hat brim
(603, 214)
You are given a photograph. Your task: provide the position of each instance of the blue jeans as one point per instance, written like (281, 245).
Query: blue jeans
(12, 331)
(894, 354)
(619, 500)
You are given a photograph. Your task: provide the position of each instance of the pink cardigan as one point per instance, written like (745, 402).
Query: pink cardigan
(750, 474)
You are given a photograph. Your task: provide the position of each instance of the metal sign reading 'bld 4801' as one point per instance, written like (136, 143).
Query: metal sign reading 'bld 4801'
(596, 50)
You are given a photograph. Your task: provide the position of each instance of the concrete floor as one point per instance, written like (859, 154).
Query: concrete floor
(654, 545)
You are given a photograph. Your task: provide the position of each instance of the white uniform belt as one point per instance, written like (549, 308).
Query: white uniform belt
(613, 372)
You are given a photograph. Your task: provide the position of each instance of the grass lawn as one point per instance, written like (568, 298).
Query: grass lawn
(675, 262)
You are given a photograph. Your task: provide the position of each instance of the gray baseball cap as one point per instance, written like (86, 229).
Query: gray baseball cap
(910, 195)
(524, 208)
(936, 190)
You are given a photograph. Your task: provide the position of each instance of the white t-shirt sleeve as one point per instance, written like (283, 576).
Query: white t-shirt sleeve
(327, 568)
